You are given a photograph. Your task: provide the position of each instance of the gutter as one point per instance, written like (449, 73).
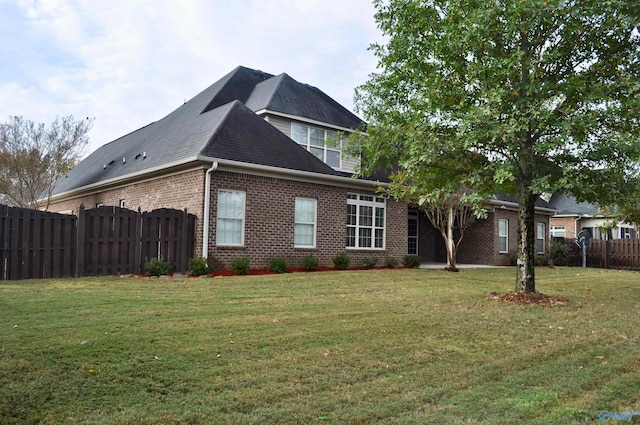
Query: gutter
(207, 206)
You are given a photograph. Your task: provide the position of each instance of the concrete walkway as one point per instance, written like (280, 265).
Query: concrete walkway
(460, 266)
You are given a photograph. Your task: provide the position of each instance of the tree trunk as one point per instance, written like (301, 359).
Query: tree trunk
(525, 270)
(451, 258)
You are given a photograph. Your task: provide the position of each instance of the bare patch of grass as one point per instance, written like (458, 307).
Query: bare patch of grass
(380, 346)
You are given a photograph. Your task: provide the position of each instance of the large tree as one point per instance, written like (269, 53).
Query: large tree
(33, 157)
(547, 91)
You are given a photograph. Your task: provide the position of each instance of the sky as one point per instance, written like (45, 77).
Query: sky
(127, 63)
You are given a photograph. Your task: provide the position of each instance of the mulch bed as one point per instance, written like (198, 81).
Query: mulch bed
(524, 298)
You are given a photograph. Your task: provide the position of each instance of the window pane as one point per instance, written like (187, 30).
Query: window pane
(364, 238)
(379, 217)
(351, 236)
(299, 133)
(305, 210)
(379, 238)
(333, 158)
(318, 153)
(229, 231)
(503, 227)
(351, 215)
(502, 244)
(303, 235)
(316, 137)
(366, 216)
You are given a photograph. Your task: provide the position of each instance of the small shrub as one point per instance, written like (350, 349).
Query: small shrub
(370, 262)
(240, 265)
(558, 253)
(542, 260)
(341, 261)
(310, 263)
(157, 267)
(411, 261)
(278, 265)
(391, 262)
(198, 267)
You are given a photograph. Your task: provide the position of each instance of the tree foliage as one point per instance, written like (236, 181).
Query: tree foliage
(544, 93)
(33, 157)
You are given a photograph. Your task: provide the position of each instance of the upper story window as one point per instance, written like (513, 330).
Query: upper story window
(314, 140)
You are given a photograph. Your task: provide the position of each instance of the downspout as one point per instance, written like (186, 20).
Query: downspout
(207, 206)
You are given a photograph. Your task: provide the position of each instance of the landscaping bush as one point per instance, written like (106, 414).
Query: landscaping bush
(391, 262)
(411, 261)
(310, 263)
(278, 265)
(369, 262)
(157, 267)
(198, 267)
(240, 265)
(341, 261)
(558, 252)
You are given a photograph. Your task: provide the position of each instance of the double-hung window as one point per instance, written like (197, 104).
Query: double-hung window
(503, 236)
(230, 228)
(540, 236)
(304, 234)
(365, 221)
(314, 140)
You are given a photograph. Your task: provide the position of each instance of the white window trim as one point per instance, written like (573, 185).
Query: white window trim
(325, 148)
(541, 237)
(244, 213)
(506, 251)
(358, 202)
(314, 223)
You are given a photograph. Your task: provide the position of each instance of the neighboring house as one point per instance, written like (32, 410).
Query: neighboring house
(249, 157)
(573, 216)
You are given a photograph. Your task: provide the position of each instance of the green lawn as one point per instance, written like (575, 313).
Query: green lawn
(380, 346)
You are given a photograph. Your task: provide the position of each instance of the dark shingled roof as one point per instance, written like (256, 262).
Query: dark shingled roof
(567, 204)
(540, 203)
(220, 122)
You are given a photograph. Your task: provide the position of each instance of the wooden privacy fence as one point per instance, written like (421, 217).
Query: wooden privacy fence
(100, 241)
(36, 244)
(623, 254)
(614, 254)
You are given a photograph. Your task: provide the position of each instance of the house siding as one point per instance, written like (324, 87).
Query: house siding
(269, 222)
(348, 163)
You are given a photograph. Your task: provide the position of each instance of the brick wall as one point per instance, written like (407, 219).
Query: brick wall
(179, 191)
(480, 243)
(269, 217)
(269, 222)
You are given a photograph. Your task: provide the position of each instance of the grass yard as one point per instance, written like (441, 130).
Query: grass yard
(358, 347)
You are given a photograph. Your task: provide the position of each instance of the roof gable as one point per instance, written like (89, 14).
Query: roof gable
(567, 204)
(284, 94)
(245, 137)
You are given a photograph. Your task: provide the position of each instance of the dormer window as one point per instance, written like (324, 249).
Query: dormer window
(315, 140)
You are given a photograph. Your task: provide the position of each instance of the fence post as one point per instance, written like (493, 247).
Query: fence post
(184, 238)
(4, 249)
(80, 235)
(138, 243)
(607, 254)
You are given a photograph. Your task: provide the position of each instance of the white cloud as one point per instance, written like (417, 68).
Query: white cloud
(130, 62)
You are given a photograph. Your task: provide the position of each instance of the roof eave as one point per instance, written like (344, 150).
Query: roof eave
(199, 161)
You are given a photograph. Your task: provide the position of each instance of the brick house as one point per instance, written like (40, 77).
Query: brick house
(257, 158)
(572, 216)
